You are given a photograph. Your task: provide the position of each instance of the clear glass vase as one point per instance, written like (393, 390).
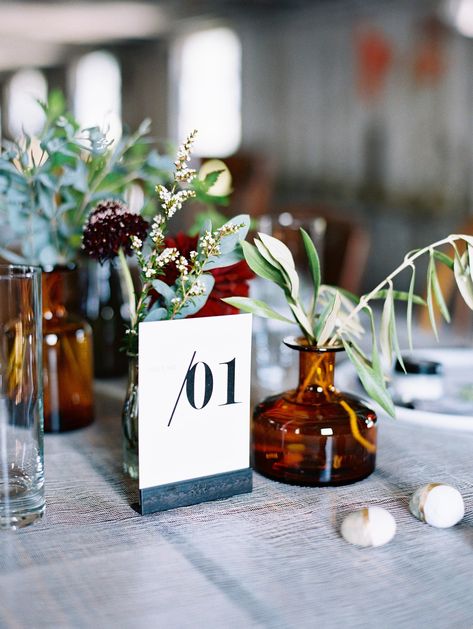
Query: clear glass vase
(314, 434)
(130, 421)
(67, 354)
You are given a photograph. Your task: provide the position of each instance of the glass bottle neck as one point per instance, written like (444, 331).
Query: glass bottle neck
(316, 376)
(58, 287)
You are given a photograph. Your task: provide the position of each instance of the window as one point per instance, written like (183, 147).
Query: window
(208, 78)
(24, 115)
(97, 93)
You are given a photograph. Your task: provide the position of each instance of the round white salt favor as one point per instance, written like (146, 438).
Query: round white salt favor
(371, 526)
(437, 504)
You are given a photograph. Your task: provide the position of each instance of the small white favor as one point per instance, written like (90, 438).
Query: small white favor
(437, 504)
(371, 526)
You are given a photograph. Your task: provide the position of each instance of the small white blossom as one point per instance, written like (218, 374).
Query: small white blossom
(136, 243)
(169, 254)
(197, 289)
(149, 272)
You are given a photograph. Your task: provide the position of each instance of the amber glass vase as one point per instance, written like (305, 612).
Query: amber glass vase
(67, 354)
(314, 434)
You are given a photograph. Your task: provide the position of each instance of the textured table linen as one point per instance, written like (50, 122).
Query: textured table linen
(273, 558)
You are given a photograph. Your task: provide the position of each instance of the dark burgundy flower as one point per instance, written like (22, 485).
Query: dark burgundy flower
(230, 281)
(109, 228)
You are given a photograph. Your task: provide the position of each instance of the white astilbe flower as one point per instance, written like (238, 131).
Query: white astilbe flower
(170, 254)
(171, 202)
(197, 289)
(183, 173)
(136, 243)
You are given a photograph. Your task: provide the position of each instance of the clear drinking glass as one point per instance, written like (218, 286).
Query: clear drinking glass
(21, 397)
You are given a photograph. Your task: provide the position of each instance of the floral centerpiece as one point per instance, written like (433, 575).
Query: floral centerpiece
(174, 282)
(315, 434)
(48, 186)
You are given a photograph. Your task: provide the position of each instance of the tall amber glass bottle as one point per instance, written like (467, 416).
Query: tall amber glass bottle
(314, 434)
(67, 354)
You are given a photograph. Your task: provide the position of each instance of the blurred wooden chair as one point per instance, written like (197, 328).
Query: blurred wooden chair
(343, 246)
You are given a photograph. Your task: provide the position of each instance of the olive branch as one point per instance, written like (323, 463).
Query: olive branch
(333, 316)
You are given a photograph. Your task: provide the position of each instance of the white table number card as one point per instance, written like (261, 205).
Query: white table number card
(194, 410)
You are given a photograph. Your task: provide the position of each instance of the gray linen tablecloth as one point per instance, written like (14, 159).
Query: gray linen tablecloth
(273, 558)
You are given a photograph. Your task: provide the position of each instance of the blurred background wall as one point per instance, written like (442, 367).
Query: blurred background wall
(359, 110)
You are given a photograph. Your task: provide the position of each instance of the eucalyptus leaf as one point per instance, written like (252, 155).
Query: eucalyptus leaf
(228, 243)
(156, 314)
(12, 257)
(166, 292)
(217, 262)
(194, 304)
(48, 256)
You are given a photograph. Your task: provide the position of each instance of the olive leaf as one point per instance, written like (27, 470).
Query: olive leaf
(302, 320)
(463, 278)
(282, 254)
(257, 307)
(260, 266)
(410, 300)
(370, 378)
(385, 335)
(328, 320)
(314, 266)
(444, 259)
(400, 295)
(434, 295)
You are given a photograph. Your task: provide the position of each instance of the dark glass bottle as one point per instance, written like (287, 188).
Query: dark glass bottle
(103, 305)
(314, 434)
(130, 421)
(67, 354)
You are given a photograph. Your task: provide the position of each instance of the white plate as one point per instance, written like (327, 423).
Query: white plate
(458, 375)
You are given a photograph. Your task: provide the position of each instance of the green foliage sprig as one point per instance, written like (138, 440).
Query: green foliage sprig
(49, 184)
(333, 316)
(112, 231)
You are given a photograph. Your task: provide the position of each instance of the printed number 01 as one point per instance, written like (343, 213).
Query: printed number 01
(209, 384)
(189, 382)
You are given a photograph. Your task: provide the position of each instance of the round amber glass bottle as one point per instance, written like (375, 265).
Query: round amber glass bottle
(314, 434)
(67, 354)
